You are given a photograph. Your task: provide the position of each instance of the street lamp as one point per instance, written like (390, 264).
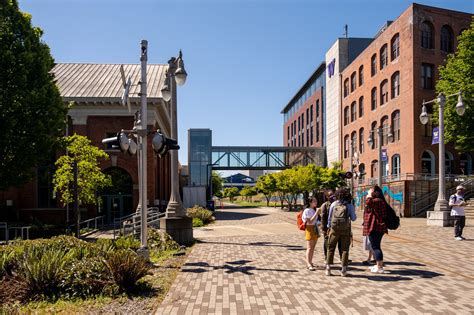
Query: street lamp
(370, 142)
(440, 215)
(176, 223)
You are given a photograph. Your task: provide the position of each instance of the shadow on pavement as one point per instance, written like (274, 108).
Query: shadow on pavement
(263, 244)
(229, 267)
(234, 215)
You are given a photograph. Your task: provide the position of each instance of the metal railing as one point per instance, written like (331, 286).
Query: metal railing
(23, 231)
(420, 205)
(91, 225)
(132, 225)
(412, 176)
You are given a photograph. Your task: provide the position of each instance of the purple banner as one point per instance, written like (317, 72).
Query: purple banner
(384, 155)
(435, 136)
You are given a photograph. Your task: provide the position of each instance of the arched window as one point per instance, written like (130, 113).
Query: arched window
(362, 171)
(346, 115)
(353, 81)
(346, 87)
(428, 163)
(385, 129)
(361, 75)
(447, 39)
(396, 125)
(373, 65)
(383, 92)
(374, 165)
(427, 35)
(373, 99)
(395, 84)
(361, 140)
(361, 106)
(465, 164)
(373, 135)
(353, 111)
(395, 47)
(383, 57)
(346, 146)
(353, 142)
(449, 163)
(396, 165)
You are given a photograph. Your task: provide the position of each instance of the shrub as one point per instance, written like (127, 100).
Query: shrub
(197, 222)
(201, 213)
(126, 268)
(41, 268)
(127, 242)
(161, 241)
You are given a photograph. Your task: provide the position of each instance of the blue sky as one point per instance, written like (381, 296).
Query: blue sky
(245, 58)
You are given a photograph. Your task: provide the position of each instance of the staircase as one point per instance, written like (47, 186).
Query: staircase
(131, 224)
(469, 212)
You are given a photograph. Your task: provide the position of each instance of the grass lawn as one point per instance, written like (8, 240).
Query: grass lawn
(150, 292)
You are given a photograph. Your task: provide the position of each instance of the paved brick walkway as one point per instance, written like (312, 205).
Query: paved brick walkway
(252, 262)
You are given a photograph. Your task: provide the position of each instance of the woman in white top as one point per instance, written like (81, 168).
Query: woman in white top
(309, 217)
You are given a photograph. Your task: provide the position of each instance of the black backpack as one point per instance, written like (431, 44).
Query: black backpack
(392, 221)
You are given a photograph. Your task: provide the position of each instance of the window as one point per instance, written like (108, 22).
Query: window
(383, 57)
(346, 87)
(346, 146)
(299, 124)
(383, 92)
(396, 165)
(362, 171)
(288, 134)
(428, 163)
(396, 125)
(427, 35)
(373, 65)
(361, 75)
(317, 120)
(395, 47)
(353, 81)
(361, 106)
(45, 187)
(395, 84)
(361, 140)
(427, 74)
(446, 39)
(353, 142)
(449, 162)
(373, 134)
(353, 111)
(346, 115)
(374, 165)
(307, 117)
(373, 99)
(385, 130)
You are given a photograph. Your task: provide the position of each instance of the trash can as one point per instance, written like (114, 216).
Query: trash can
(210, 205)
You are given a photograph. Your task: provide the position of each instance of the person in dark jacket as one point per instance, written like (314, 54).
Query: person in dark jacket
(375, 215)
(330, 198)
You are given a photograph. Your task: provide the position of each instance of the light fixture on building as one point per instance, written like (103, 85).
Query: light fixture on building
(424, 115)
(120, 141)
(161, 144)
(165, 90)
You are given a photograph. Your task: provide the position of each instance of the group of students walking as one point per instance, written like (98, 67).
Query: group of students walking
(335, 216)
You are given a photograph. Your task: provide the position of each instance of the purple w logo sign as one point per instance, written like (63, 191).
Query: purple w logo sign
(331, 67)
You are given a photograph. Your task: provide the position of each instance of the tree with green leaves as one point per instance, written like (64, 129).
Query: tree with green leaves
(231, 193)
(217, 184)
(458, 75)
(266, 184)
(248, 192)
(90, 177)
(32, 113)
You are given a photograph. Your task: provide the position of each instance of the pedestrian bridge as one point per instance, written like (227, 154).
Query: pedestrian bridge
(263, 158)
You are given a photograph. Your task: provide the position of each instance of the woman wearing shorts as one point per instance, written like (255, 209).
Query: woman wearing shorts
(309, 217)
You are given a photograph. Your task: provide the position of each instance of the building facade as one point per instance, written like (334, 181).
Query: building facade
(383, 89)
(94, 91)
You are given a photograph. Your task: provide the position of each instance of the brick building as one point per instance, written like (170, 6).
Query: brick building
(95, 91)
(385, 87)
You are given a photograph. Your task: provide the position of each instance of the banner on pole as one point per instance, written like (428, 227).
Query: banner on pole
(384, 155)
(435, 136)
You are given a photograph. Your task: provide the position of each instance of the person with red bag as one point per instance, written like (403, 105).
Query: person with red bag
(309, 218)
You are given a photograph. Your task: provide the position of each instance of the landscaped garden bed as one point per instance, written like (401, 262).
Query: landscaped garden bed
(65, 274)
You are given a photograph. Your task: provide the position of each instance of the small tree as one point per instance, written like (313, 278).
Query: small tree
(248, 192)
(90, 177)
(231, 193)
(217, 182)
(458, 75)
(266, 184)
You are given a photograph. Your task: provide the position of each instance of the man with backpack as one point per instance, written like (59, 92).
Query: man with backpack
(457, 203)
(341, 213)
(324, 222)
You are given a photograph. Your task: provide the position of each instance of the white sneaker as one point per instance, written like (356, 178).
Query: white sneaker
(376, 269)
(328, 271)
(343, 272)
(458, 238)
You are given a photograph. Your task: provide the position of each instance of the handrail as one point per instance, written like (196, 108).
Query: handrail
(88, 223)
(153, 218)
(413, 176)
